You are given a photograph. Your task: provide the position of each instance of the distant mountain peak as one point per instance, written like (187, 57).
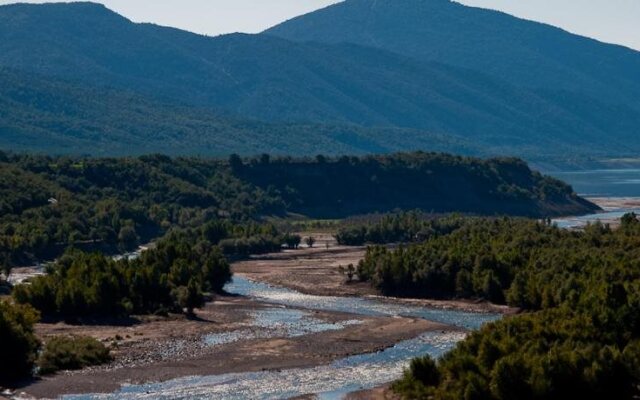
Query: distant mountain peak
(522, 52)
(74, 12)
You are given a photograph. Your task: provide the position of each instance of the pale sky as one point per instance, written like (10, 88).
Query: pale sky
(613, 21)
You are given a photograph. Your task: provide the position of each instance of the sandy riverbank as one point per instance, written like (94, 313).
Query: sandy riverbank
(316, 272)
(155, 349)
(373, 334)
(615, 203)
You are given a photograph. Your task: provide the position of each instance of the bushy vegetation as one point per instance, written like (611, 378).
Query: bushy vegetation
(581, 335)
(112, 205)
(69, 353)
(50, 203)
(170, 277)
(404, 227)
(22, 354)
(19, 343)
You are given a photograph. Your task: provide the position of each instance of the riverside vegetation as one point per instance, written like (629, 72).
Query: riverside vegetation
(80, 209)
(579, 335)
(50, 203)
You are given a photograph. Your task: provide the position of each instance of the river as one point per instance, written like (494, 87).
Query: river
(329, 381)
(295, 317)
(619, 187)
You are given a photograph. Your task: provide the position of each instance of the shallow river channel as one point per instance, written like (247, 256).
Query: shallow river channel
(329, 381)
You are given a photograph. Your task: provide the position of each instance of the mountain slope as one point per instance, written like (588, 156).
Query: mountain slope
(54, 116)
(522, 52)
(326, 88)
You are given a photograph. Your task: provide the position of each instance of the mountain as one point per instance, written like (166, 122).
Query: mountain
(524, 53)
(206, 95)
(60, 117)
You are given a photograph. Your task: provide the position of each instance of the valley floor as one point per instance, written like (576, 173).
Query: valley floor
(155, 349)
(316, 272)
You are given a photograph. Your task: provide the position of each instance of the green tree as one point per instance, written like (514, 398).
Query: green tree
(189, 297)
(310, 241)
(19, 343)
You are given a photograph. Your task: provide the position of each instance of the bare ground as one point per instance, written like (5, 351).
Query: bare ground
(316, 272)
(153, 349)
(374, 334)
(615, 202)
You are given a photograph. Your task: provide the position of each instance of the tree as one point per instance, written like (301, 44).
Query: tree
(351, 271)
(19, 343)
(128, 237)
(189, 297)
(629, 220)
(292, 241)
(425, 370)
(235, 162)
(216, 271)
(310, 241)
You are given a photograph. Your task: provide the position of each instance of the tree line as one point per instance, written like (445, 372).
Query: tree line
(113, 204)
(171, 277)
(579, 335)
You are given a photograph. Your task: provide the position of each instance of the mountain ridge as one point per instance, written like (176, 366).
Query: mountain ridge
(441, 30)
(281, 81)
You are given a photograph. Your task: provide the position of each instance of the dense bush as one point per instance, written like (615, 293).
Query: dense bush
(524, 263)
(19, 343)
(82, 284)
(402, 227)
(581, 338)
(49, 203)
(69, 353)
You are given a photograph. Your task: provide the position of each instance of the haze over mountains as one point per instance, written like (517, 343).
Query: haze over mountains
(361, 76)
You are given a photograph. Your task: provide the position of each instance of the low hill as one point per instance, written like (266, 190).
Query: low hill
(49, 203)
(334, 188)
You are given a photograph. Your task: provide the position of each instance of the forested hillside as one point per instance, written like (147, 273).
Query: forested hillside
(580, 333)
(40, 114)
(343, 97)
(50, 203)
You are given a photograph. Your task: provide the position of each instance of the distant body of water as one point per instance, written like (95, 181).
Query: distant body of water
(612, 183)
(603, 182)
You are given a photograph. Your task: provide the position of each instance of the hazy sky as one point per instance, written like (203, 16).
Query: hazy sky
(615, 21)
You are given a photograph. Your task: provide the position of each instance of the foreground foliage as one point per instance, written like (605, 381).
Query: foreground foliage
(19, 343)
(581, 337)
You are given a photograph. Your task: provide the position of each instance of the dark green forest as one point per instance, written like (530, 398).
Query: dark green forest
(579, 335)
(172, 276)
(403, 227)
(50, 203)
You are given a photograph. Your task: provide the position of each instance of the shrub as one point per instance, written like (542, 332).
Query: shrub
(69, 353)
